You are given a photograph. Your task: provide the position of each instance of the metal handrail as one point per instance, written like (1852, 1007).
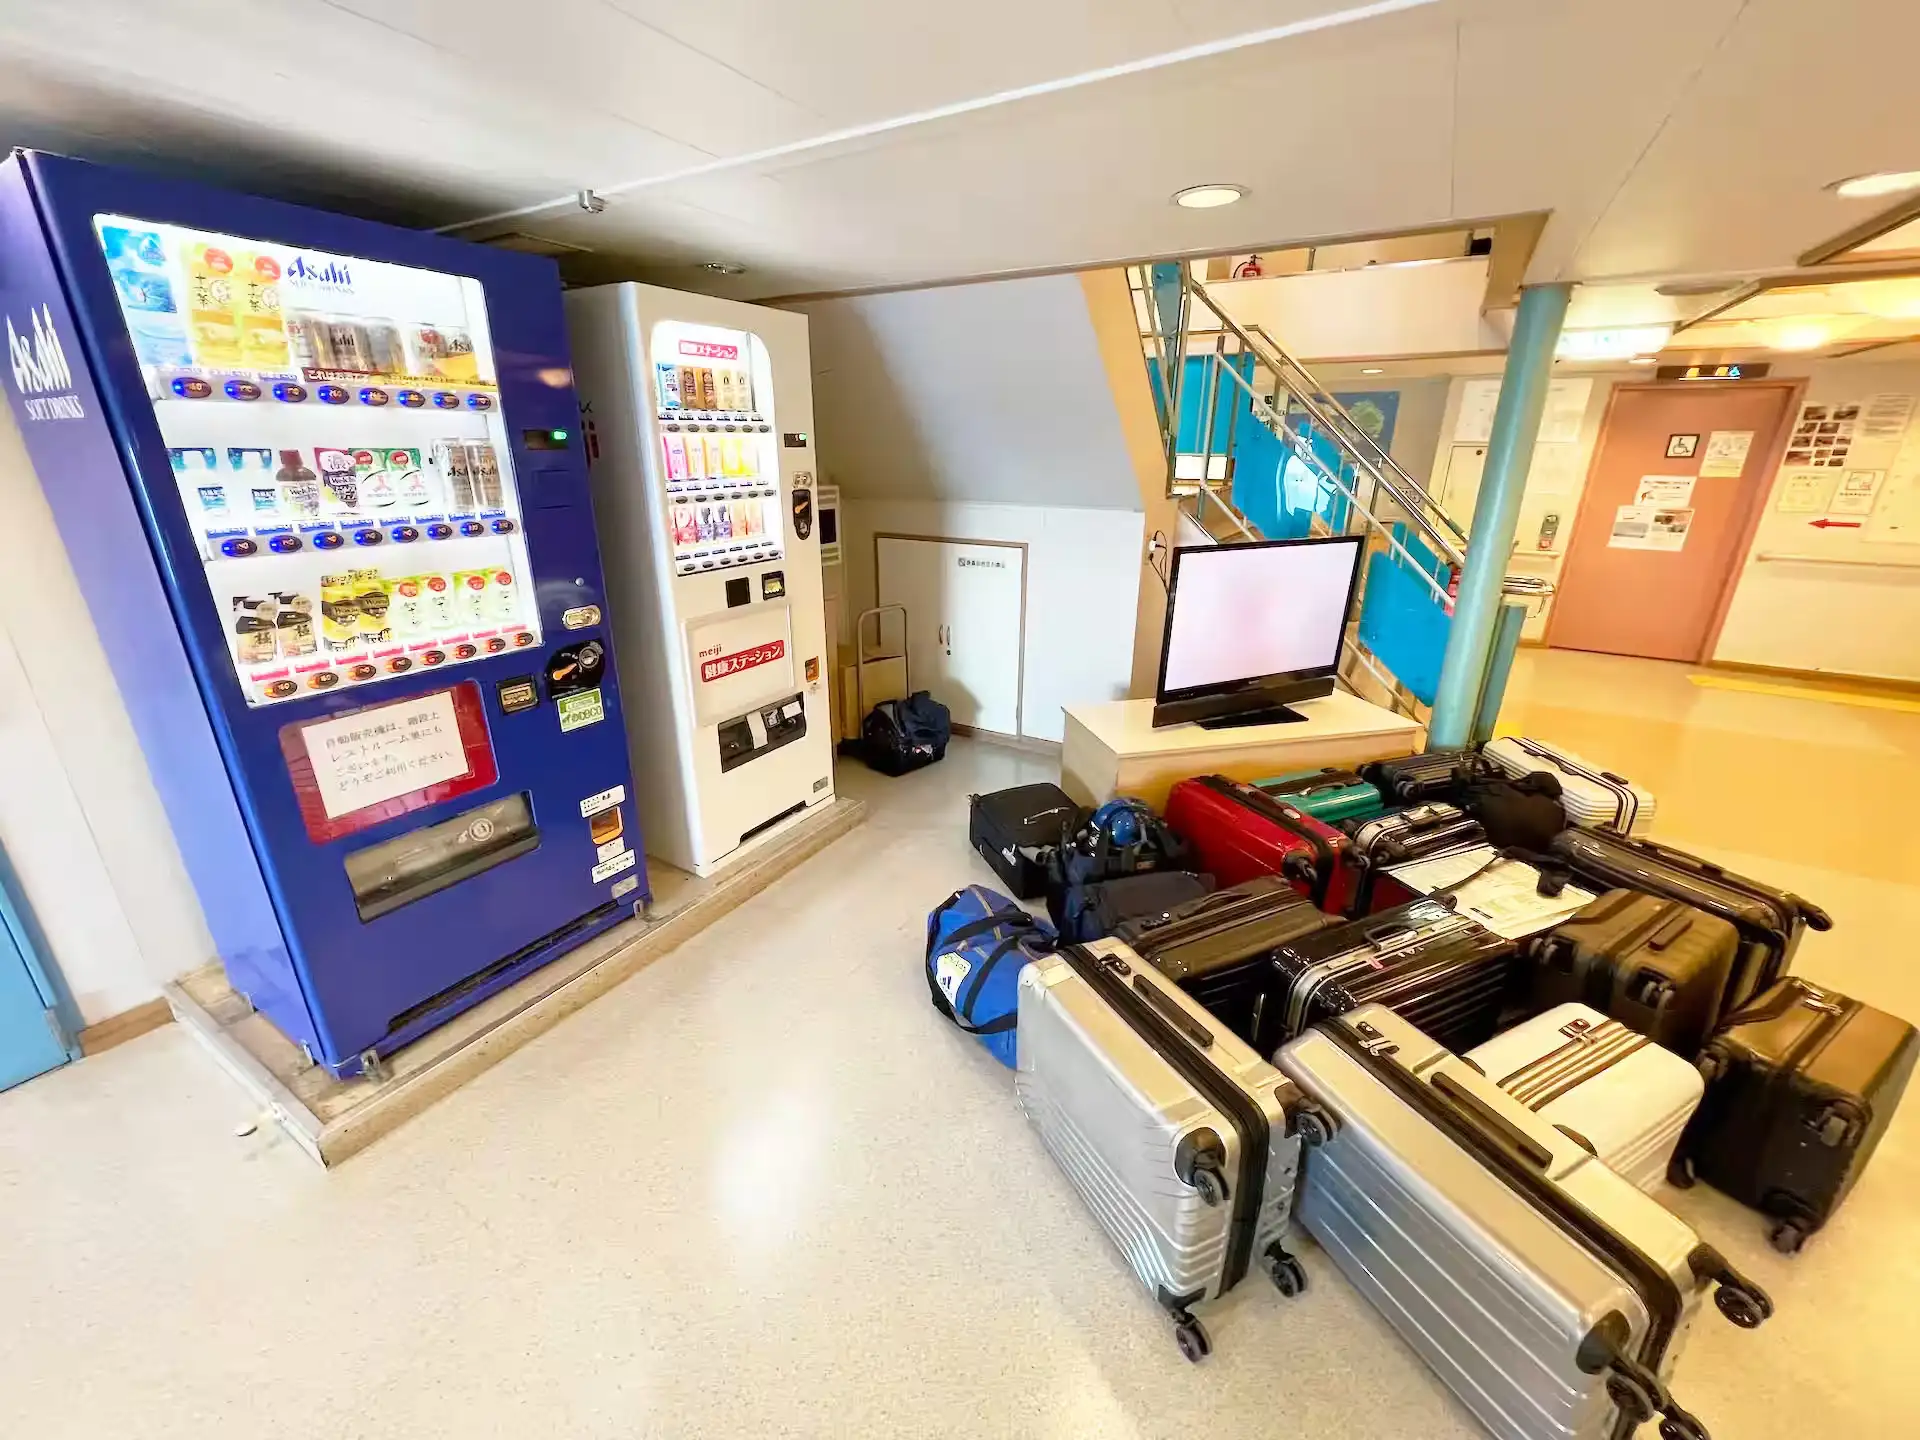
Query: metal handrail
(1332, 417)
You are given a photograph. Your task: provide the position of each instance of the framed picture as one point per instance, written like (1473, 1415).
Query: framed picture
(1681, 447)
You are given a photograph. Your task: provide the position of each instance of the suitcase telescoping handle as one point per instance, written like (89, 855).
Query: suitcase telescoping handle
(1816, 918)
(1173, 1012)
(1490, 1121)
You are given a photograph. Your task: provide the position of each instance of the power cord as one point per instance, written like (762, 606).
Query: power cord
(1157, 557)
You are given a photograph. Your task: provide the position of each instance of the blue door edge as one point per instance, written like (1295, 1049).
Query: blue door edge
(27, 938)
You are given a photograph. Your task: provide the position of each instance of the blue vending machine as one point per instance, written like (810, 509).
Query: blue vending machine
(320, 482)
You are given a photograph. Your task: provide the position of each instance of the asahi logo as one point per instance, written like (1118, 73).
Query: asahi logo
(40, 369)
(304, 273)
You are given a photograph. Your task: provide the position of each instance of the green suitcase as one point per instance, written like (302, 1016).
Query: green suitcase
(1330, 796)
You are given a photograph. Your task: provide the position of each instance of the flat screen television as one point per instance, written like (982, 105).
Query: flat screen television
(1252, 628)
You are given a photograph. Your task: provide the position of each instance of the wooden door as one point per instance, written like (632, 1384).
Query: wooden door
(1663, 520)
(966, 604)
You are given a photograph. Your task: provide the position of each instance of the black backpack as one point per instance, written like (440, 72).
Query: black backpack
(902, 735)
(1090, 851)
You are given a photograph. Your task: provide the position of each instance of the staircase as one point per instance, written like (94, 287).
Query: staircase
(1258, 449)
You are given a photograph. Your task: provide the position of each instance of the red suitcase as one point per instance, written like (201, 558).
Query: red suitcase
(1239, 832)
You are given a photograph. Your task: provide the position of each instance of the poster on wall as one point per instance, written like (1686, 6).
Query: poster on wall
(1726, 456)
(1805, 492)
(1667, 491)
(1886, 417)
(1560, 421)
(1857, 492)
(1896, 519)
(1823, 436)
(1555, 470)
(1649, 527)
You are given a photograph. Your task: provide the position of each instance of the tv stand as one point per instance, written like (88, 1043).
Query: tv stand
(1268, 715)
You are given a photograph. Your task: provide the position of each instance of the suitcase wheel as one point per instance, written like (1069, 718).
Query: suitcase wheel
(1740, 1305)
(1210, 1187)
(1834, 1131)
(1787, 1237)
(1289, 1276)
(1191, 1336)
(1680, 1173)
(1638, 1401)
(1312, 1125)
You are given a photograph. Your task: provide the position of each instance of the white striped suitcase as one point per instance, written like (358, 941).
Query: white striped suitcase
(1596, 798)
(1551, 1296)
(1607, 1087)
(1177, 1135)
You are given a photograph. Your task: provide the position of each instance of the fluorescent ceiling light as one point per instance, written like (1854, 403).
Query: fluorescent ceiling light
(1616, 344)
(1372, 370)
(1643, 360)
(1800, 335)
(1880, 183)
(1208, 197)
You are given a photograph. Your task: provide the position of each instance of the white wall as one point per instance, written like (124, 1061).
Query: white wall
(79, 820)
(1384, 310)
(1083, 570)
(992, 392)
(1849, 602)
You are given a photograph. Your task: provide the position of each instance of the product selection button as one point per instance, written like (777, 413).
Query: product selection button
(280, 689)
(241, 390)
(465, 651)
(235, 549)
(473, 527)
(523, 639)
(374, 395)
(412, 399)
(329, 540)
(364, 671)
(402, 534)
(368, 537)
(399, 665)
(479, 402)
(325, 680)
(446, 400)
(293, 394)
(191, 387)
(333, 394)
(439, 532)
(504, 527)
(284, 544)
(433, 657)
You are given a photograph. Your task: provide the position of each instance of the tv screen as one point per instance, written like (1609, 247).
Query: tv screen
(1241, 613)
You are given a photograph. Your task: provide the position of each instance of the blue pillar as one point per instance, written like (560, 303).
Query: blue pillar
(1506, 643)
(1496, 514)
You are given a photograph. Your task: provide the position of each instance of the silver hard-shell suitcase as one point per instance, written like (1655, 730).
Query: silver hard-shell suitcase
(1174, 1131)
(1550, 1295)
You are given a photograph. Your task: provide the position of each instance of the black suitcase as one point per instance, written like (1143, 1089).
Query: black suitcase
(1417, 833)
(1800, 1087)
(1770, 921)
(1015, 830)
(1106, 905)
(1443, 972)
(1657, 966)
(1220, 949)
(1412, 778)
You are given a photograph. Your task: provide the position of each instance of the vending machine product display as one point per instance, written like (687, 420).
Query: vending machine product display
(322, 484)
(698, 418)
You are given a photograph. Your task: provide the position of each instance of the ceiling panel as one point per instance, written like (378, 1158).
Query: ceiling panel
(1798, 96)
(864, 60)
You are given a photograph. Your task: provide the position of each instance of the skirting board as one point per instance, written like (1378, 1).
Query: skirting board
(127, 1025)
(1027, 744)
(333, 1119)
(1840, 679)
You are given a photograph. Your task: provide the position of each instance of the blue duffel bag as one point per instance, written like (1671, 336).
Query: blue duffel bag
(978, 940)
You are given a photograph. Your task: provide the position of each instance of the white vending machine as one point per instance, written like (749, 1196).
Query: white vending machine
(697, 416)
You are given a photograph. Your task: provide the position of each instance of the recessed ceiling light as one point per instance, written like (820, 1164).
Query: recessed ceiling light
(1643, 360)
(1372, 370)
(1207, 197)
(1879, 183)
(724, 267)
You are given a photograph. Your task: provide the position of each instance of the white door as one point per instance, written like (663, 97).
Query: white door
(964, 603)
(1460, 486)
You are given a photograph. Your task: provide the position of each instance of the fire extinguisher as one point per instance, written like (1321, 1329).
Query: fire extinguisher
(1248, 269)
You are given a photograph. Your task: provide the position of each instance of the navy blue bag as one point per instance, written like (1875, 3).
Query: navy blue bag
(978, 940)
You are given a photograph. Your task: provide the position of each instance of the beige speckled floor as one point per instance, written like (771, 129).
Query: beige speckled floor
(759, 1190)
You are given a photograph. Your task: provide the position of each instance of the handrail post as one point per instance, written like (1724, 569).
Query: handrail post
(1516, 425)
(1506, 644)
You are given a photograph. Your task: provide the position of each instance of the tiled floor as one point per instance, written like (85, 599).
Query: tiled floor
(761, 1190)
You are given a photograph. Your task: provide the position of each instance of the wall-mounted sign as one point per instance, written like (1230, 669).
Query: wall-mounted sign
(1681, 447)
(1753, 370)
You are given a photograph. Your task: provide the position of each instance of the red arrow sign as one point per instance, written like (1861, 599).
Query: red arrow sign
(1823, 523)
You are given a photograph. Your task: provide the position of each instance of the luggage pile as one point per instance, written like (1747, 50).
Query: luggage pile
(1457, 1016)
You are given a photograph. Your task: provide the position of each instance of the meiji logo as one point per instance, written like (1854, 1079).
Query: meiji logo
(40, 369)
(326, 275)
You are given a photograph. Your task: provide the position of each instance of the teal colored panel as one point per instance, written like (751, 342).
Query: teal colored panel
(1404, 624)
(28, 1045)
